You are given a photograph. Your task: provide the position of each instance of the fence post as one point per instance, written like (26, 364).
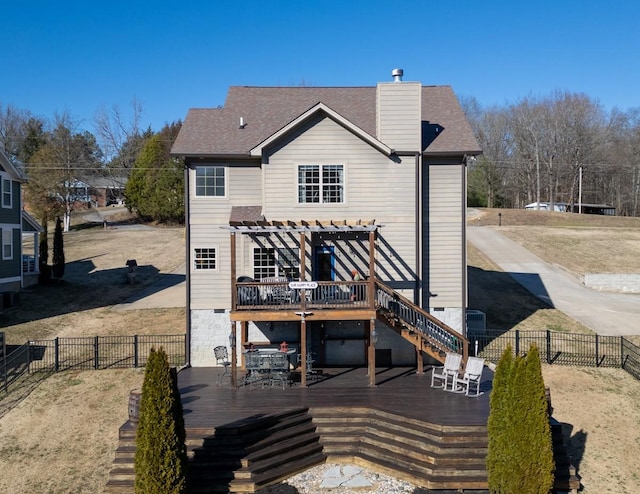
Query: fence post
(96, 353)
(548, 346)
(135, 351)
(517, 342)
(622, 352)
(597, 351)
(56, 353)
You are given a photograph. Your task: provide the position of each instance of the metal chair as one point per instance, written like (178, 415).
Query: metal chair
(449, 370)
(222, 358)
(254, 373)
(279, 371)
(471, 377)
(309, 371)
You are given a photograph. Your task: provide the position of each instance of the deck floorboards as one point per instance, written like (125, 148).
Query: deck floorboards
(208, 404)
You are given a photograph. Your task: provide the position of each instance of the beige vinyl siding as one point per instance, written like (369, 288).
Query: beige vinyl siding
(210, 289)
(446, 236)
(399, 115)
(376, 188)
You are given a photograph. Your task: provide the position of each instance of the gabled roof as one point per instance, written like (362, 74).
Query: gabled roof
(29, 223)
(336, 117)
(216, 132)
(10, 168)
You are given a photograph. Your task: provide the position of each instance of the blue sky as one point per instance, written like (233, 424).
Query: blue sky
(80, 56)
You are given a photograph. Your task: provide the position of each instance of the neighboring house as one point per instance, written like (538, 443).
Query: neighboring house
(16, 270)
(291, 189)
(546, 206)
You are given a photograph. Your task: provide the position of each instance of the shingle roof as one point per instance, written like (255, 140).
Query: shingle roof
(265, 110)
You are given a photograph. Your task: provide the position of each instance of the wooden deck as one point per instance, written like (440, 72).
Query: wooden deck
(208, 404)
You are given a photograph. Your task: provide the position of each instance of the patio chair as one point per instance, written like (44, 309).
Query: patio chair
(279, 369)
(311, 373)
(471, 377)
(222, 358)
(448, 371)
(254, 373)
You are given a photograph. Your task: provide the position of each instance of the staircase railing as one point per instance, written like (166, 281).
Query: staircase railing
(434, 332)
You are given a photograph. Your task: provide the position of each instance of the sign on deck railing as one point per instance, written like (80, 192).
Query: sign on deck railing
(303, 285)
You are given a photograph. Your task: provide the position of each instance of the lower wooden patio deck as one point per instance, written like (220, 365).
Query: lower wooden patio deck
(209, 403)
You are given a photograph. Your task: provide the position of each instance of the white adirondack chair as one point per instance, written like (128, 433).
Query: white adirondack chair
(448, 371)
(471, 377)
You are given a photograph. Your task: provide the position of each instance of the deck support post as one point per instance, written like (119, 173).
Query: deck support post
(373, 337)
(419, 358)
(234, 356)
(303, 351)
(244, 339)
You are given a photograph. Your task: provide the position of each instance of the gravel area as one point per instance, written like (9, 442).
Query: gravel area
(341, 479)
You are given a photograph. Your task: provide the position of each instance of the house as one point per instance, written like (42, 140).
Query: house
(546, 206)
(290, 190)
(16, 270)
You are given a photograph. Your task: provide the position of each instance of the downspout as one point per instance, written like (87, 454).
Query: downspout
(187, 243)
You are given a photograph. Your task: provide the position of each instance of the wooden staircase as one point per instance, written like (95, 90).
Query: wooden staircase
(417, 326)
(240, 457)
(427, 455)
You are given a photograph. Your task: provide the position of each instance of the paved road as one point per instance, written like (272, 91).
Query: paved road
(606, 313)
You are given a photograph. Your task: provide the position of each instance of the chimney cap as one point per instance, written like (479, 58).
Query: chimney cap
(397, 75)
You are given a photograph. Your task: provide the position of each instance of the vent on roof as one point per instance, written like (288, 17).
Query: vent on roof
(242, 123)
(397, 75)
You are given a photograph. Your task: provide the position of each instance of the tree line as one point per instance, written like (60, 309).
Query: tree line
(56, 155)
(560, 148)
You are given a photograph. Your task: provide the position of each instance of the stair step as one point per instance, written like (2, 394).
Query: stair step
(263, 464)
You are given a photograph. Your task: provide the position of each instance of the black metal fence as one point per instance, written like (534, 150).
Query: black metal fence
(97, 352)
(589, 350)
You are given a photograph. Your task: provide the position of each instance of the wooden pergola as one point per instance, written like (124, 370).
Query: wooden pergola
(301, 313)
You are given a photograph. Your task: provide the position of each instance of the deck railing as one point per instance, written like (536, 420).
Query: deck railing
(435, 332)
(261, 295)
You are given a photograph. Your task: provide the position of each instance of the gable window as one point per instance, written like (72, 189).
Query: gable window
(7, 244)
(7, 196)
(272, 262)
(210, 181)
(320, 184)
(204, 258)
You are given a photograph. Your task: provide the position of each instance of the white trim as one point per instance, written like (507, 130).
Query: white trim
(193, 181)
(216, 260)
(12, 279)
(320, 203)
(8, 231)
(4, 178)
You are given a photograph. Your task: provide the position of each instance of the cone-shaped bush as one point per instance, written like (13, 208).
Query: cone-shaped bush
(161, 458)
(520, 456)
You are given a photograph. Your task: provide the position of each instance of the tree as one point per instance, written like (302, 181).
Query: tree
(520, 456)
(161, 456)
(54, 167)
(58, 262)
(155, 189)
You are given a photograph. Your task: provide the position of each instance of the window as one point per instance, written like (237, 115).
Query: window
(7, 196)
(7, 244)
(205, 259)
(320, 183)
(264, 263)
(272, 262)
(210, 181)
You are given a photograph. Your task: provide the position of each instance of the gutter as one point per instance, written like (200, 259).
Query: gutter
(187, 242)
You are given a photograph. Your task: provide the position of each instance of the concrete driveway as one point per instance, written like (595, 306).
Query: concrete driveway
(611, 314)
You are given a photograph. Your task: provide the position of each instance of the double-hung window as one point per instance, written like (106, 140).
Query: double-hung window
(205, 258)
(320, 184)
(7, 244)
(7, 196)
(210, 181)
(271, 262)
